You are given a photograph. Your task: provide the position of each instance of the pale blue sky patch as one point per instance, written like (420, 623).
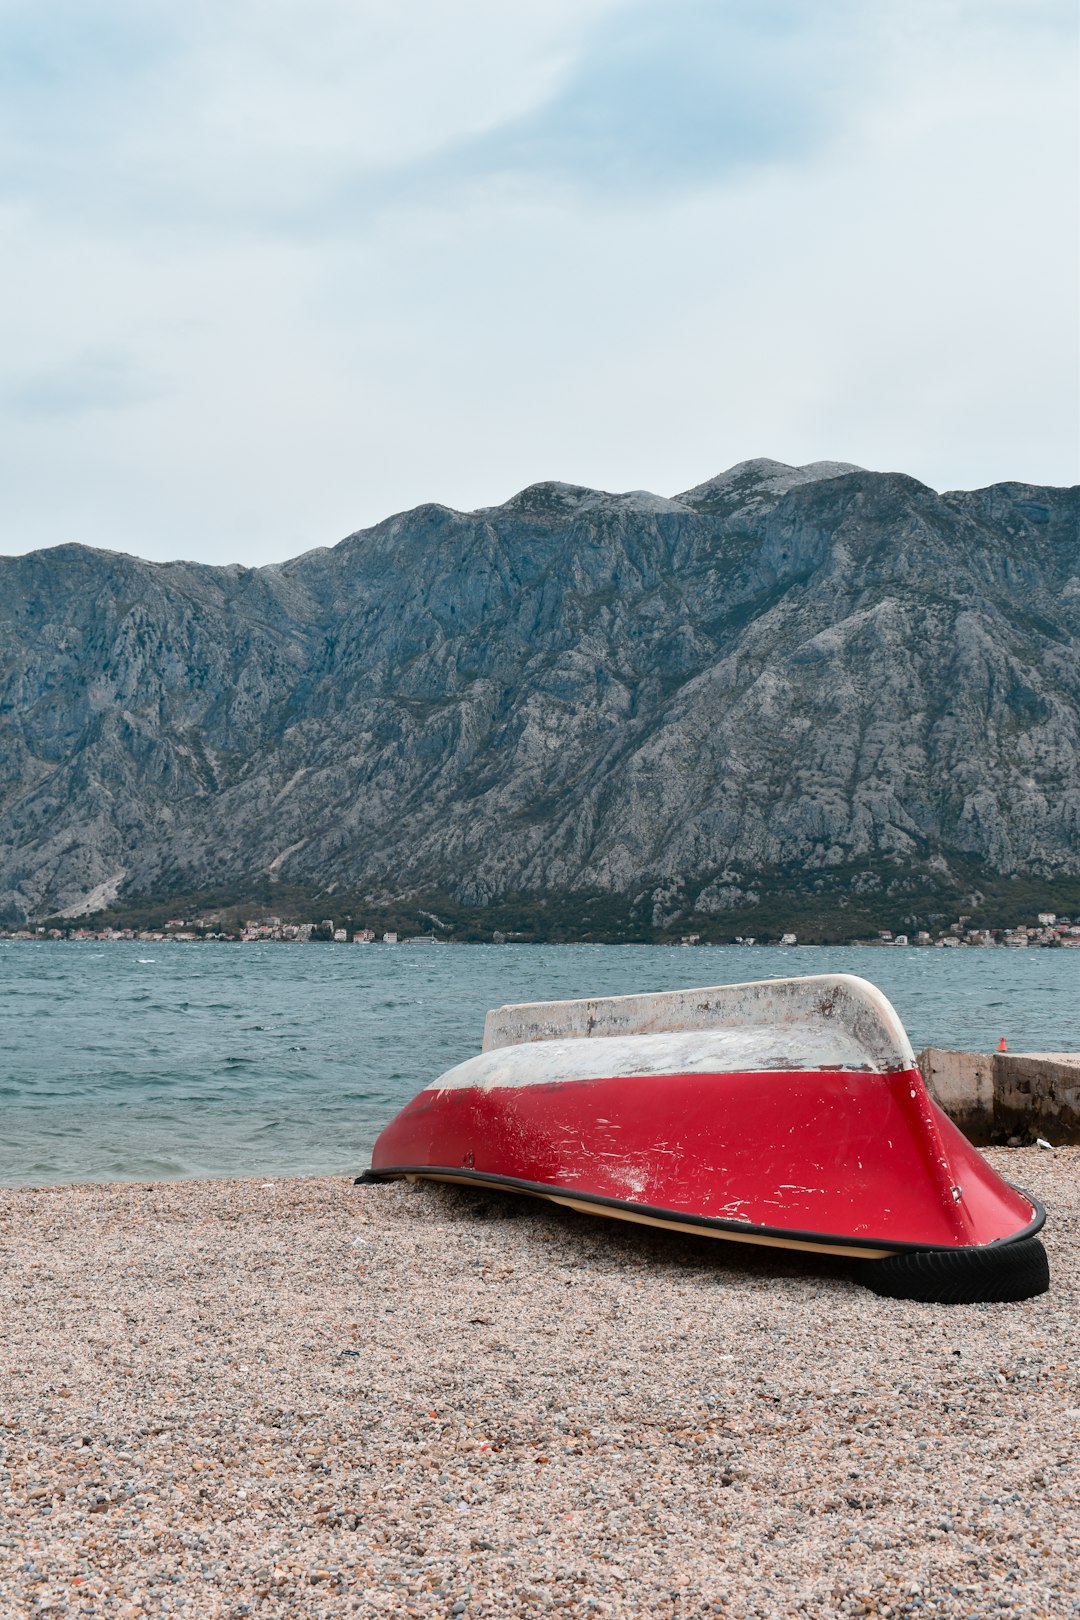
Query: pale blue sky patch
(94, 381)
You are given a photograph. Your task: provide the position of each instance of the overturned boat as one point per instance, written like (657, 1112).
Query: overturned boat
(788, 1112)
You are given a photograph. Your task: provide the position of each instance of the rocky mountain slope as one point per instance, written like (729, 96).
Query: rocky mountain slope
(818, 677)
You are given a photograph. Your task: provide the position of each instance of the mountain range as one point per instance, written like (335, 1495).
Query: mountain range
(786, 687)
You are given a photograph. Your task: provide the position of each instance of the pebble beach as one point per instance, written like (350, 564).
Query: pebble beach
(300, 1397)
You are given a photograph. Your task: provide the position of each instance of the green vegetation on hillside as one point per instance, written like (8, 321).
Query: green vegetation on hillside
(843, 905)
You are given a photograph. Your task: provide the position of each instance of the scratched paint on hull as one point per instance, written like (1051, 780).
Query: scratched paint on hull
(837, 1152)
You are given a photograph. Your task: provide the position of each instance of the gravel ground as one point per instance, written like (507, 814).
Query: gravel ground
(299, 1398)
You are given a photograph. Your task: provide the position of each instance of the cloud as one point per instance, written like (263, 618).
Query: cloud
(317, 116)
(252, 115)
(276, 269)
(680, 95)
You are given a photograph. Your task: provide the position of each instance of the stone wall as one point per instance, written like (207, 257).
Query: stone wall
(1010, 1097)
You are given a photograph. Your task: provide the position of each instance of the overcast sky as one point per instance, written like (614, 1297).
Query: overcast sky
(274, 269)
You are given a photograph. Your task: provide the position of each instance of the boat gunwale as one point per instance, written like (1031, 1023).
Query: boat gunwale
(722, 1225)
(721, 1007)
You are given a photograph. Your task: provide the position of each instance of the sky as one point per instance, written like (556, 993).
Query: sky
(273, 271)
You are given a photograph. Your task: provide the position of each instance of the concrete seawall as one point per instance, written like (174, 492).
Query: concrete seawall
(999, 1097)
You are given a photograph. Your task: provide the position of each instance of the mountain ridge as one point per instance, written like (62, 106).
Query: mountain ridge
(782, 675)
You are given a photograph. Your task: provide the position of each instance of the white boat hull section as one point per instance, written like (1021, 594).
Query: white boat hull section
(849, 1011)
(715, 1051)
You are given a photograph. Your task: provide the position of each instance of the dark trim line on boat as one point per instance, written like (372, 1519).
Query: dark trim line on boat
(709, 1223)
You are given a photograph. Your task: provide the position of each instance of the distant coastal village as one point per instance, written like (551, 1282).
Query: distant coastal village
(1048, 930)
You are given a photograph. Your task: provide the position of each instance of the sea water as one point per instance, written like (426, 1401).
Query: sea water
(156, 1061)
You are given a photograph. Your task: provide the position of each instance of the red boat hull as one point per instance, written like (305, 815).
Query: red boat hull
(864, 1163)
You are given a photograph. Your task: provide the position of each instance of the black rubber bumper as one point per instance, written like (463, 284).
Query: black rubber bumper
(992, 1274)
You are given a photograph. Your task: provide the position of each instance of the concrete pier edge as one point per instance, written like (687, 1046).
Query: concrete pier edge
(1007, 1097)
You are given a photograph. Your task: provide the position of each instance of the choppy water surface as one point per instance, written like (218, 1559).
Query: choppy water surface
(160, 1061)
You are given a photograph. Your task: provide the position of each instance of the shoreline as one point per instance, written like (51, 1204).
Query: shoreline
(1062, 940)
(292, 1396)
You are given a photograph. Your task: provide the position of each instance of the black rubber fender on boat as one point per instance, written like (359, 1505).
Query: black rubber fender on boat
(968, 1276)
